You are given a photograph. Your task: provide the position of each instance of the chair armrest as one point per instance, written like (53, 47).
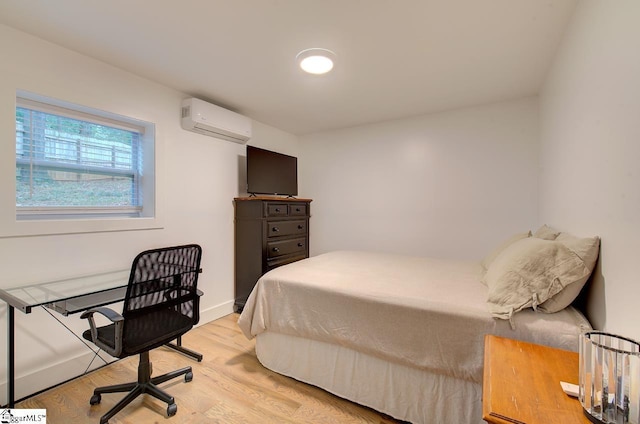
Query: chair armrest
(112, 315)
(115, 318)
(167, 293)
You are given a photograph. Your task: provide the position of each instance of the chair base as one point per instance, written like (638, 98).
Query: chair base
(145, 384)
(179, 348)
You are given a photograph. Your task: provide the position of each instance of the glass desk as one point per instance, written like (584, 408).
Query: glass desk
(70, 295)
(66, 296)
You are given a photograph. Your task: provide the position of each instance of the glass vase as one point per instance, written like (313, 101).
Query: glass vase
(609, 378)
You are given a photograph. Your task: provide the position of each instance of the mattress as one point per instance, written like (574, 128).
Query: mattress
(400, 334)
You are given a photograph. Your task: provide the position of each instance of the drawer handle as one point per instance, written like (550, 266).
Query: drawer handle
(277, 209)
(275, 229)
(300, 244)
(276, 249)
(297, 209)
(300, 227)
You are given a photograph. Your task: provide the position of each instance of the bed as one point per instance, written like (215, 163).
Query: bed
(402, 335)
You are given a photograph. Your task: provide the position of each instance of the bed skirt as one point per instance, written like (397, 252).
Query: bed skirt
(402, 392)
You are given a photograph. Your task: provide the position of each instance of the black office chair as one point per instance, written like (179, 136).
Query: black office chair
(161, 304)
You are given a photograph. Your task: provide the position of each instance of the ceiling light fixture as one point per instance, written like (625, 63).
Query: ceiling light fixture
(316, 61)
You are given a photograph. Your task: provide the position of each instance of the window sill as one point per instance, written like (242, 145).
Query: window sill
(33, 228)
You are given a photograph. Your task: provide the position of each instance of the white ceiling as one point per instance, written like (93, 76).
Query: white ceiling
(396, 58)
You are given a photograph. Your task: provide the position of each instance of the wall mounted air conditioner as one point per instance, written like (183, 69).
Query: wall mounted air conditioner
(209, 119)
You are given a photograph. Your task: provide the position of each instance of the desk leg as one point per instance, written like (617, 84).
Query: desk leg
(10, 356)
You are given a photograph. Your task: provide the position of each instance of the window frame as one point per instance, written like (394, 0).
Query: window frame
(14, 223)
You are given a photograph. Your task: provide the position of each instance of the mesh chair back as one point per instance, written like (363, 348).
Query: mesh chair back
(162, 300)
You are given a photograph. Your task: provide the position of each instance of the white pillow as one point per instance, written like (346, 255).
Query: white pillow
(528, 273)
(587, 249)
(486, 262)
(546, 233)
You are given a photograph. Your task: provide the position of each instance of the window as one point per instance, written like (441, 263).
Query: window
(72, 162)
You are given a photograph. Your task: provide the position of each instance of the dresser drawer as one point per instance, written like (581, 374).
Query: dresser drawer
(298, 210)
(276, 209)
(286, 228)
(286, 247)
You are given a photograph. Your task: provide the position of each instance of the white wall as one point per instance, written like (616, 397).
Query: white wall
(197, 181)
(449, 185)
(446, 185)
(590, 151)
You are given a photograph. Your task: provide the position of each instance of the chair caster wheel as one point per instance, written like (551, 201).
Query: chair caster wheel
(172, 409)
(95, 399)
(188, 377)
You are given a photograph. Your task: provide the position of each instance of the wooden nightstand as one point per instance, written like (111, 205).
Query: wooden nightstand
(521, 384)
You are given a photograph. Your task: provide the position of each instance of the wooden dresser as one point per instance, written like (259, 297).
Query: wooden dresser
(269, 232)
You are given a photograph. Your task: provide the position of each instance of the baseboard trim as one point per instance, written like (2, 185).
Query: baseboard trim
(215, 312)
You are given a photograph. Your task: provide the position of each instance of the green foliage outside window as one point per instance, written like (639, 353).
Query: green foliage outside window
(67, 162)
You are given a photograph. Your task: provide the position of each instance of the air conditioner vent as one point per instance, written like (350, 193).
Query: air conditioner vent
(212, 120)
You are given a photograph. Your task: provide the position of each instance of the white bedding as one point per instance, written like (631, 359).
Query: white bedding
(421, 313)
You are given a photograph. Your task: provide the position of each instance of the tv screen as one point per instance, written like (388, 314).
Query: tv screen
(271, 172)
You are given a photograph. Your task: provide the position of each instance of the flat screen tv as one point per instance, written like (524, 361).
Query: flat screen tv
(271, 172)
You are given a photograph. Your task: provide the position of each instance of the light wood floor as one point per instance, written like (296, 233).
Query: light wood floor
(229, 386)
